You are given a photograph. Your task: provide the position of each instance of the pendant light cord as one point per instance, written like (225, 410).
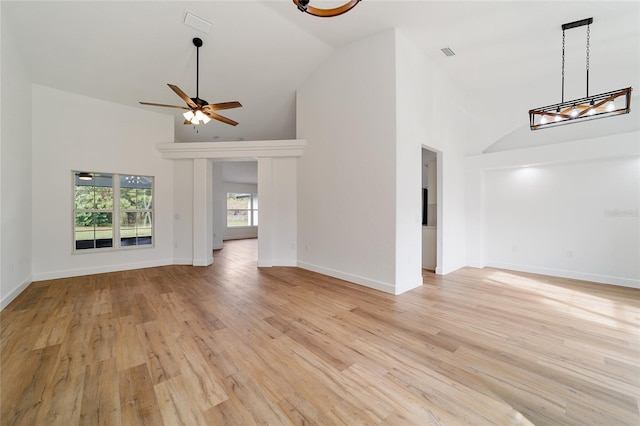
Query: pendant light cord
(588, 37)
(563, 66)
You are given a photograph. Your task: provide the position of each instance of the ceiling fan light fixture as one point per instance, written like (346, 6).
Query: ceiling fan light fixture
(199, 115)
(188, 115)
(303, 6)
(584, 109)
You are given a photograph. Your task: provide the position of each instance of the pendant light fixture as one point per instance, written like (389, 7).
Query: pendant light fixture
(588, 108)
(303, 6)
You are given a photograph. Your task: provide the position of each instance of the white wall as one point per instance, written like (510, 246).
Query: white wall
(572, 213)
(346, 178)
(108, 138)
(430, 113)
(15, 170)
(360, 177)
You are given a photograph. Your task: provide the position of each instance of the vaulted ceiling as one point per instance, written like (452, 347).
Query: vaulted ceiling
(260, 52)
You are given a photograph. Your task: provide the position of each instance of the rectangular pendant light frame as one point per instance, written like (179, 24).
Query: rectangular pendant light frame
(589, 108)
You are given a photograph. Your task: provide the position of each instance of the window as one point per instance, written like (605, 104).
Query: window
(242, 209)
(95, 210)
(136, 215)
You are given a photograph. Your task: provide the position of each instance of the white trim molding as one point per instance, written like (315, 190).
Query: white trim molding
(236, 150)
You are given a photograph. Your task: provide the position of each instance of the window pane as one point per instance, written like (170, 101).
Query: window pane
(238, 201)
(255, 202)
(93, 191)
(237, 218)
(104, 229)
(127, 198)
(145, 198)
(93, 230)
(103, 198)
(136, 192)
(136, 228)
(84, 197)
(255, 218)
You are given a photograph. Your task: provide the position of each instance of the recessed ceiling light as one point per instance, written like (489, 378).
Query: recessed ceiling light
(447, 51)
(197, 23)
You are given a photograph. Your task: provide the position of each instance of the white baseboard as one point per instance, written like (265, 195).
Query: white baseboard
(263, 263)
(100, 270)
(285, 262)
(448, 269)
(399, 289)
(576, 275)
(374, 284)
(203, 262)
(183, 261)
(4, 302)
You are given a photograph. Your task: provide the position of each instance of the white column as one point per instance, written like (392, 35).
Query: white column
(202, 212)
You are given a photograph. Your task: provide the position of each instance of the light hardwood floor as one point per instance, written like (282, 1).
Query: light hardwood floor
(234, 344)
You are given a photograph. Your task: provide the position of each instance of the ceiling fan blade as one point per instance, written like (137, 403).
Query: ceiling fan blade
(221, 118)
(163, 105)
(183, 95)
(186, 122)
(222, 105)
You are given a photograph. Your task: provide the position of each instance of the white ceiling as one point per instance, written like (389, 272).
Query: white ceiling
(260, 52)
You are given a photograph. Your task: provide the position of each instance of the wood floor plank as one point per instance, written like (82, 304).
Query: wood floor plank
(203, 382)
(233, 344)
(62, 397)
(177, 405)
(161, 360)
(24, 381)
(128, 349)
(138, 402)
(100, 395)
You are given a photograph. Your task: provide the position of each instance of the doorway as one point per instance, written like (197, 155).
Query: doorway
(235, 201)
(429, 210)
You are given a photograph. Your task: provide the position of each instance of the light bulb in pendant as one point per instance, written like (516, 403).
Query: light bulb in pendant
(574, 111)
(611, 106)
(557, 118)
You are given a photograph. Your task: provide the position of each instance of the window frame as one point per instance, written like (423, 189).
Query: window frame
(116, 212)
(252, 212)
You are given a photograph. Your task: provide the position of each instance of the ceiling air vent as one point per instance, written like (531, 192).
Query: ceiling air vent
(197, 23)
(447, 51)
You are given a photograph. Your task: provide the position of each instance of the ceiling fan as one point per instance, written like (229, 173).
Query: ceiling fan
(199, 110)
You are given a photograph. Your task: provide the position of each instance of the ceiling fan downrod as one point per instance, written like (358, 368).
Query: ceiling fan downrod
(197, 42)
